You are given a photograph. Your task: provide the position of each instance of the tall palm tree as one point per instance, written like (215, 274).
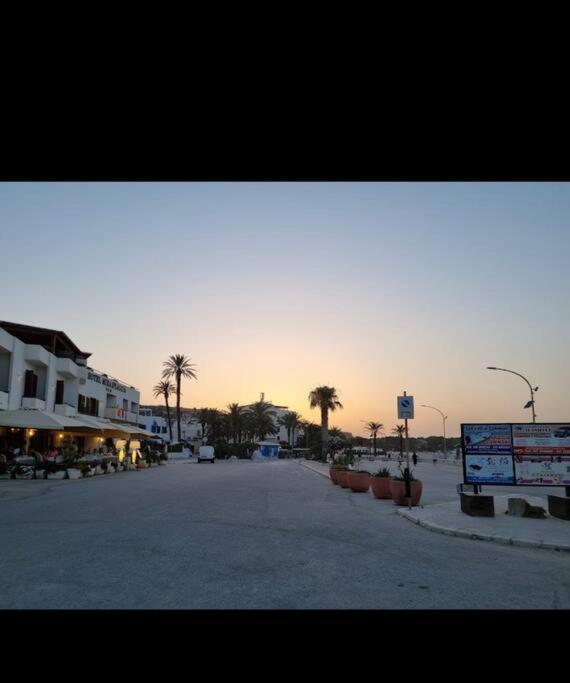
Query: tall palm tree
(326, 399)
(165, 389)
(292, 421)
(400, 430)
(178, 366)
(235, 421)
(373, 428)
(263, 418)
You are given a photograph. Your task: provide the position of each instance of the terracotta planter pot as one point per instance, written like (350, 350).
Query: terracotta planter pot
(332, 475)
(381, 487)
(398, 490)
(341, 478)
(359, 482)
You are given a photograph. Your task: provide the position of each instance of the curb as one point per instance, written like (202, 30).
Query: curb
(504, 540)
(323, 474)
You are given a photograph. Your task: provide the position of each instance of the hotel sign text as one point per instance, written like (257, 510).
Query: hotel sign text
(111, 383)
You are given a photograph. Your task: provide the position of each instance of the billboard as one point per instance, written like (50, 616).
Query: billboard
(487, 438)
(543, 439)
(489, 469)
(542, 470)
(516, 454)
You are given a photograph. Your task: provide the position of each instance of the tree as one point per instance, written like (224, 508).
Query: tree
(291, 421)
(373, 428)
(203, 419)
(165, 389)
(235, 421)
(326, 399)
(263, 419)
(178, 366)
(400, 430)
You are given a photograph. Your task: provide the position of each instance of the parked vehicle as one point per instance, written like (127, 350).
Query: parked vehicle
(206, 453)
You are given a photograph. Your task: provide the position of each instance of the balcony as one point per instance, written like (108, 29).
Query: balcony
(36, 355)
(121, 414)
(33, 404)
(3, 400)
(65, 409)
(67, 368)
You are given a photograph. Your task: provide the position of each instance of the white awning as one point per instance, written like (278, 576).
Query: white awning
(41, 419)
(105, 425)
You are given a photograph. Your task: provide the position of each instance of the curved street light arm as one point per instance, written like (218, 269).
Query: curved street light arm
(518, 374)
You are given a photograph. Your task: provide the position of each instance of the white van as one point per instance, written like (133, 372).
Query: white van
(206, 453)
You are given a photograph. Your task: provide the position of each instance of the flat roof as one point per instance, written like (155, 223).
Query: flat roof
(54, 341)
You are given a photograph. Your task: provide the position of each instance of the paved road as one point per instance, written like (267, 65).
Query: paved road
(247, 535)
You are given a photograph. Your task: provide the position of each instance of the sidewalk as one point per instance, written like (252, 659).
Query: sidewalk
(446, 518)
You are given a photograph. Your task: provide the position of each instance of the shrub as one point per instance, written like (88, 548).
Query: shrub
(383, 473)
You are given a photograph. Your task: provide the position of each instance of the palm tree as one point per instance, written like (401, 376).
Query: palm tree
(263, 418)
(235, 421)
(203, 419)
(373, 428)
(291, 421)
(178, 366)
(165, 388)
(400, 430)
(327, 399)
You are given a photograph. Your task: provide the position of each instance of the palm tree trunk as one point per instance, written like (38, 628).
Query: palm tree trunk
(325, 430)
(178, 381)
(168, 416)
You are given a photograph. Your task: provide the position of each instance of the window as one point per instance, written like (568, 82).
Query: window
(125, 404)
(31, 384)
(59, 386)
(164, 430)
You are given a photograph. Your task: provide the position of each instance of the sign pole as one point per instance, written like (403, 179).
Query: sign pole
(407, 483)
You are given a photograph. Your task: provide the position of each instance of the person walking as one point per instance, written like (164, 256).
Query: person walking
(415, 458)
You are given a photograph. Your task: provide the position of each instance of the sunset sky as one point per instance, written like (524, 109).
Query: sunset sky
(373, 288)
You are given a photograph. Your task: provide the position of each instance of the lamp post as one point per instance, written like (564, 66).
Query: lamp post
(530, 404)
(444, 417)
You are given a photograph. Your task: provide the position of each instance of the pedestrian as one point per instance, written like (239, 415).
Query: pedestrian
(415, 458)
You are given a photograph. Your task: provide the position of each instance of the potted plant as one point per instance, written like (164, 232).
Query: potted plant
(380, 483)
(398, 489)
(339, 463)
(341, 473)
(358, 480)
(71, 463)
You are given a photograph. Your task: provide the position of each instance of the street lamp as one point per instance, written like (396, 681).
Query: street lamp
(444, 417)
(530, 404)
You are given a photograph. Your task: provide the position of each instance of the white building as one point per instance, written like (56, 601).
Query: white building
(156, 424)
(43, 370)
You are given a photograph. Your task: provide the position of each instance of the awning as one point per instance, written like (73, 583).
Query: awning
(106, 426)
(144, 432)
(41, 419)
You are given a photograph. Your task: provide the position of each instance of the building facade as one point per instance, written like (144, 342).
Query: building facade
(153, 423)
(43, 370)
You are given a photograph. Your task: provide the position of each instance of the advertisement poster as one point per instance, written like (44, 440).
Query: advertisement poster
(487, 438)
(489, 469)
(541, 439)
(542, 470)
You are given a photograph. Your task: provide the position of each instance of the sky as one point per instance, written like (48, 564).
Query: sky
(373, 288)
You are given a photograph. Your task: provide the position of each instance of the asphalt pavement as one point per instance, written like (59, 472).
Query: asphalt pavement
(243, 535)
